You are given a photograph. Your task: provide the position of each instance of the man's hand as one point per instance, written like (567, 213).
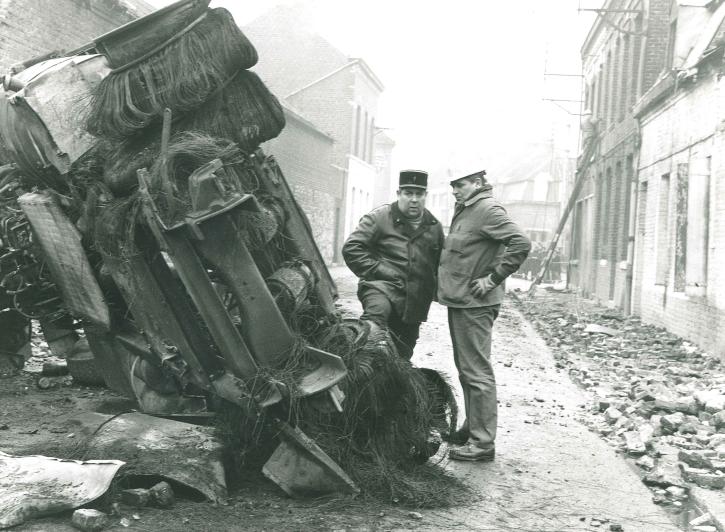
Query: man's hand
(481, 287)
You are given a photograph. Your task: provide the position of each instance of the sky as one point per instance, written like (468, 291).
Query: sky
(464, 79)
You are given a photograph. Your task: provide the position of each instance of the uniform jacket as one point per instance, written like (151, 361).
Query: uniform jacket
(483, 240)
(389, 255)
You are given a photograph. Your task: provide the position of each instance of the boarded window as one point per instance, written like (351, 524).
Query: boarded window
(698, 221)
(605, 215)
(662, 234)
(681, 227)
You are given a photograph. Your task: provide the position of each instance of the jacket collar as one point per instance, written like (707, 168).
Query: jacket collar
(483, 192)
(398, 218)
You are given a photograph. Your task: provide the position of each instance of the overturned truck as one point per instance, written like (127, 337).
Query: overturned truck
(136, 205)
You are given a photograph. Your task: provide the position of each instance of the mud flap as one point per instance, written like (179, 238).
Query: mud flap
(301, 469)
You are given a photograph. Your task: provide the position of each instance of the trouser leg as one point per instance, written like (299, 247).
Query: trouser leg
(376, 307)
(405, 335)
(471, 335)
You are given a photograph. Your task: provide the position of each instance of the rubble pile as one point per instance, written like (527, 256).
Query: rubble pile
(656, 397)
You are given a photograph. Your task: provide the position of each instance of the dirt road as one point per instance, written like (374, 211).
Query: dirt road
(550, 473)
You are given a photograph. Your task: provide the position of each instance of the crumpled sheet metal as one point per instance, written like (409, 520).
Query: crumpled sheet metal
(153, 446)
(34, 486)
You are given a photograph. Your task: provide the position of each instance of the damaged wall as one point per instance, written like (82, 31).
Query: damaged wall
(29, 28)
(680, 281)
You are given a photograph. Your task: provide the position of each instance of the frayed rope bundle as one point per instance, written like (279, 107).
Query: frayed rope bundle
(244, 111)
(381, 437)
(181, 76)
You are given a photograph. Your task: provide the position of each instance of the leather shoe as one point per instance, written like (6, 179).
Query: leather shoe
(471, 453)
(460, 437)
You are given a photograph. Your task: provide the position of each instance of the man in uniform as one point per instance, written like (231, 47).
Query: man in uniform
(483, 247)
(395, 251)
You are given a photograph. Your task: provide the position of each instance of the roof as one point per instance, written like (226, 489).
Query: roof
(710, 38)
(291, 112)
(291, 55)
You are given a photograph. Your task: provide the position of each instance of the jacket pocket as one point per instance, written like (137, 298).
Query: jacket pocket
(453, 287)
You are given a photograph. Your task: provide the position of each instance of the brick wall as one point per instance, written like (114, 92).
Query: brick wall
(622, 67)
(683, 131)
(305, 156)
(29, 28)
(656, 41)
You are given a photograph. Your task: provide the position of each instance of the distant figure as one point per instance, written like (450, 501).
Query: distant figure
(395, 251)
(484, 247)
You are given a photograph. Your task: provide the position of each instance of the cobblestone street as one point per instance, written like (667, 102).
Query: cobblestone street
(550, 472)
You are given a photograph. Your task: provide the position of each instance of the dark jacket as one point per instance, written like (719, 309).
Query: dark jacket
(390, 256)
(483, 240)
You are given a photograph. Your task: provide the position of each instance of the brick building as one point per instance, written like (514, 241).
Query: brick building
(29, 28)
(336, 93)
(622, 57)
(304, 154)
(679, 266)
(385, 183)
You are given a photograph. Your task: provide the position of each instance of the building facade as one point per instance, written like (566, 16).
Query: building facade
(385, 183)
(679, 266)
(622, 56)
(31, 28)
(338, 94)
(305, 152)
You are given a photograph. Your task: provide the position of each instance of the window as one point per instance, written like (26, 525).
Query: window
(604, 216)
(662, 233)
(681, 227)
(614, 99)
(356, 131)
(627, 191)
(698, 221)
(607, 91)
(364, 135)
(624, 80)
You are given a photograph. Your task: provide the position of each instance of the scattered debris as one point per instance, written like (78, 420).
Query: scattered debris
(55, 368)
(89, 520)
(705, 519)
(593, 328)
(656, 396)
(34, 486)
(137, 497)
(162, 495)
(152, 446)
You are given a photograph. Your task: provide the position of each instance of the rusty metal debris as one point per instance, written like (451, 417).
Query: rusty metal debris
(182, 255)
(33, 486)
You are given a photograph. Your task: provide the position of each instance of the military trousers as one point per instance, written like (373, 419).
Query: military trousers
(378, 308)
(471, 335)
